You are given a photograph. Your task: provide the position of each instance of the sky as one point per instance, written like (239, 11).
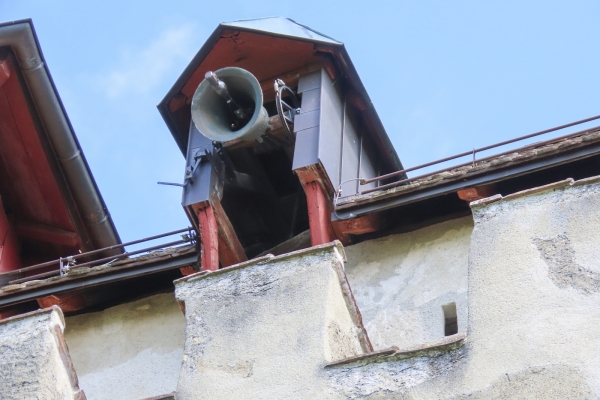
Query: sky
(445, 77)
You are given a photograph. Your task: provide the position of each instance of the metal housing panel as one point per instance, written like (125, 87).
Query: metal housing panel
(199, 189)
(368, 164)
(307, 120)
(307, 146)
(330, 136)
(311, 100)
(350, 155)
(309, 81)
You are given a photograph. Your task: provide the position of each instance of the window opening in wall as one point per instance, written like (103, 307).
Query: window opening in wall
(450, 319)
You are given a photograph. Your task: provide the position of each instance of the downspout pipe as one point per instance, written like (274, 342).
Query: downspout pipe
(20, 36)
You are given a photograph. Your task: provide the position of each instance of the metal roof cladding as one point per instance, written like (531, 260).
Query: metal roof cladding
(272, 47)
(281, 26)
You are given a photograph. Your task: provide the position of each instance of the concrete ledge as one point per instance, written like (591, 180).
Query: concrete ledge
(393, 354)
(336, 244)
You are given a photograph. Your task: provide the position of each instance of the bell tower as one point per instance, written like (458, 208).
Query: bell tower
(275, 125)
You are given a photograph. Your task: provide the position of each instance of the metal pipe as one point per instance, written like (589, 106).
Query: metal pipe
(89, 253)
(52, 273)
(20, 36)
(466, 153)
(537, 144)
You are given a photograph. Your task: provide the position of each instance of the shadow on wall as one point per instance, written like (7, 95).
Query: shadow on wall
(411, 288)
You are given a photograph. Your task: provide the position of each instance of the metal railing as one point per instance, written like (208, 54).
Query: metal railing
(474, 153)
(66, 264)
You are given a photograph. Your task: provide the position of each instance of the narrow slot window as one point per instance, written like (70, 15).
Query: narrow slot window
(450, 320)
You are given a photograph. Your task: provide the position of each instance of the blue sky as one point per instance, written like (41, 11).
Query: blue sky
(444, 76)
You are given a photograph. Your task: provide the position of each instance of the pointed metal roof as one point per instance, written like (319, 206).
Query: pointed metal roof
(281, 26)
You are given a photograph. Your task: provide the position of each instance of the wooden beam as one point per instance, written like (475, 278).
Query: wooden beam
(319, 195)
(45, 233)
(476, 193)
(72, 301)
(209, 238)
(360, 225)
(319, 214)
(230, 249)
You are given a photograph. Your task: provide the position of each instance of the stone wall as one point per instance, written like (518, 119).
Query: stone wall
(130, 351)
(401, 282)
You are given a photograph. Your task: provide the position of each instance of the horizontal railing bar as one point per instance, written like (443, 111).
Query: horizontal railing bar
(76, 256)
(466, 153)
(536, 144)
(51, 273)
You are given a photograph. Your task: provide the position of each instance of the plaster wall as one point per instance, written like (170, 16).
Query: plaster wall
(534, 308)
(400, 282)
(131, 351)
(266, 328)
(534, 297)
(34, 359)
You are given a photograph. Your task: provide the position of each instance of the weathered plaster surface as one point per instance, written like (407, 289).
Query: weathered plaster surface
(264, 331)
(268, 329)
(130, 351)
(401, 282)
(34, 360)
(533, 298)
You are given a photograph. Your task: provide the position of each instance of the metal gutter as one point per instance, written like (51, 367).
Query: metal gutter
(21, 38)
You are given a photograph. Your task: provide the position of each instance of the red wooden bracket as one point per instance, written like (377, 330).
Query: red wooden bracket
(319, 214)
(219, 243)
(72, 301)
(319, 194)
(360, 225)
(209, 240)
(230, 249)
(472, 194)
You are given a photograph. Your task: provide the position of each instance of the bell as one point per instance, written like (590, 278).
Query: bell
(227, 105)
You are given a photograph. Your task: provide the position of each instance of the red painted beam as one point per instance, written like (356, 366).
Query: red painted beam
(318, 214)
(230, 249)
(9, 245)
(318, 190)
(360, 225)
(478, 193)
(72, 301)
(209, 239)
